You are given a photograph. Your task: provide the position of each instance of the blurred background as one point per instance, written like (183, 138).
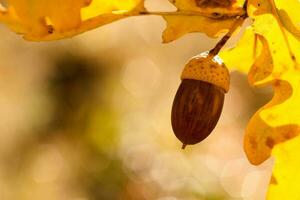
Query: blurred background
(88, 118)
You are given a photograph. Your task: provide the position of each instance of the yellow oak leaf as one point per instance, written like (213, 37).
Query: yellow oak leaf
(273, 60)
(284, 184)
(99, 7)
(288, 12)
(258, 7)
(210, 17)
(258, 73)
(245, 51)
(260, 136)
(178, 26)
(289, 24)
(280, 69)
(51, 20)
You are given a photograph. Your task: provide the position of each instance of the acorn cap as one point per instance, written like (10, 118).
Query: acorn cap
(207, 68)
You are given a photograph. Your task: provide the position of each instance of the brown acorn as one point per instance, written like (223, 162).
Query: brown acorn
(199, 100)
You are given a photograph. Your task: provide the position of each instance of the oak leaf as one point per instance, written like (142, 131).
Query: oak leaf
(40, 20)
(275, 63)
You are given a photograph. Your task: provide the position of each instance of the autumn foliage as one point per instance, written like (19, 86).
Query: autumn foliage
(269, 51)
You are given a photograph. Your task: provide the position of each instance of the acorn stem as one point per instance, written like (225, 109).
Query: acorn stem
(215, 51)
(183, 146)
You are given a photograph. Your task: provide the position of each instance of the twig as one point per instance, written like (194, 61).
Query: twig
(213, 15)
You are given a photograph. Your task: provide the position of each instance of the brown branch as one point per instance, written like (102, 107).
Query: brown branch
(212, 15)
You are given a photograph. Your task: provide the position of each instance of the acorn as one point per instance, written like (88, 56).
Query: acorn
(199, 100)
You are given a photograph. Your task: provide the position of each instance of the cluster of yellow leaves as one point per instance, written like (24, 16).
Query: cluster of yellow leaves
(270, 49)
(269, 52)
(41, 20)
